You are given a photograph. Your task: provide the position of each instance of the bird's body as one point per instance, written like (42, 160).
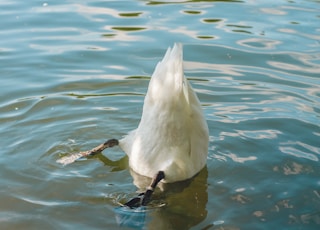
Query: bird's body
(173, 134)
(171, 141)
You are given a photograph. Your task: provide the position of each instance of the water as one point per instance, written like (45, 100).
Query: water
(74, 73)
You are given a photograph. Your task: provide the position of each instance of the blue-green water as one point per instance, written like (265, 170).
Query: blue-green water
(74, 73)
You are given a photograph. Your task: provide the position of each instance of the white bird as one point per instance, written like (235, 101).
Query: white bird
(171, 141)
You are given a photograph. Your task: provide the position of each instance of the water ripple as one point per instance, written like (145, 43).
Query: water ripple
(75, 73)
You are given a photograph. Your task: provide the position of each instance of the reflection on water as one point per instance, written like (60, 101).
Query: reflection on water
(171, 204)
(74, 74)
(176, 203)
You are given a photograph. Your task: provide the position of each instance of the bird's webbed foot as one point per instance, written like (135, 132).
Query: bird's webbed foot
(75, 156)
(144, 198)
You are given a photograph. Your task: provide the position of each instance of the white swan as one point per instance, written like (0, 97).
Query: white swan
(171, 141)
(173, 134)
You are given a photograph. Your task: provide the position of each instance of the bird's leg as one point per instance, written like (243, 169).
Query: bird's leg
(144, 198)
(75, 156)
(147, 195)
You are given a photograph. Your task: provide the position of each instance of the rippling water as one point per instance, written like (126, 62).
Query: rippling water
(74, 73)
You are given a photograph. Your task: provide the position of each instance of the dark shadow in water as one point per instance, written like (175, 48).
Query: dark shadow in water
(179, 205)
(131, 14)
(180, 2)
(185, 203)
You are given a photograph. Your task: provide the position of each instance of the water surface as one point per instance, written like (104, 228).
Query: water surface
(74, 73)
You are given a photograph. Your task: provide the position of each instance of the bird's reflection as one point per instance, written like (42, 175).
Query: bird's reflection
(117, 165)
(179, 205)
(185, 203)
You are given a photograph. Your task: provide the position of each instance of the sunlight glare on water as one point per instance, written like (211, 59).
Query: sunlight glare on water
(74, 74)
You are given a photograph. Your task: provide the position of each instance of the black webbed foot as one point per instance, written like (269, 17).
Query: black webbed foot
(111, 142)
(135, 202)
(144, 198)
